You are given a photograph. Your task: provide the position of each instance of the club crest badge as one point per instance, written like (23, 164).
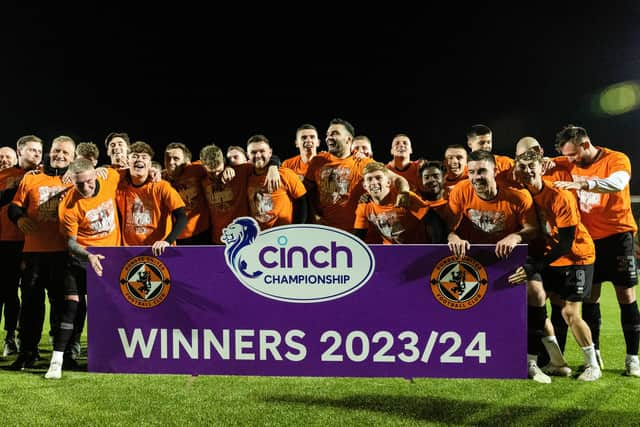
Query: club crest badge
(459, 283)
(145, 281)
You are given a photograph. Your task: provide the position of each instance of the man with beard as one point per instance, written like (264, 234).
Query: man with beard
(12, 239)
(601, 179)
(482, 214)
(285, 205)
(190, 181)
(8, 158)
(35, 211)
(307, 143)
(333, 179)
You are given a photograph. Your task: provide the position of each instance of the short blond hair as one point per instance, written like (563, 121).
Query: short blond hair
(375, 167)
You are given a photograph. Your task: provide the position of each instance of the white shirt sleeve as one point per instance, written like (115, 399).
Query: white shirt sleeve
(611, 184)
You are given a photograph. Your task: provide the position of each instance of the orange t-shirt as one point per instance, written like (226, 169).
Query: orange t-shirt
(488, 221)
(605, 214)
(272, 209)
(296, 164)
(146, 211)
(39, 195)
(558, 208)
(336, 181)
(227, 201)
(190, 185)
(450, 182)
(94, 220)
(410, 173)
(395, 225)
(504, 170)
(9, 232)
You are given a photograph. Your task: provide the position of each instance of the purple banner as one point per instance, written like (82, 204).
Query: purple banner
(418, 313)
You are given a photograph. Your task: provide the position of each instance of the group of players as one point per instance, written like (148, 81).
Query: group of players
(573, 210)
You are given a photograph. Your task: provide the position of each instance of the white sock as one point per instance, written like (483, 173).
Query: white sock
(633, 358)
(57, 356)
(552, 347)
(590, 356)
(532, 359)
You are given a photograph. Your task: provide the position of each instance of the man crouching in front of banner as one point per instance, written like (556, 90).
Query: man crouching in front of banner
(87, 218)
(484, 212)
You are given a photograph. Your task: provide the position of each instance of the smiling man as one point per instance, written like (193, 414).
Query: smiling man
(307, 143)
(190, 181)
(333, 179)
(8, 158)
(565, 267)
(395, 225)
(601, 180)
(402, 164)
(152, 212)
(117, 144)
(285, 205)
(483, 212)
(88, 218)
(35, 211)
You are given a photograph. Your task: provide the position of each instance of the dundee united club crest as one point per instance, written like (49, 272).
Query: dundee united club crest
(459, 283)
(145, 281)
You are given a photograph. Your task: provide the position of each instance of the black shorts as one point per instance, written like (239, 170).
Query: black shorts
(75, 278)
(571, 283)
(616, 261)
(531, 269)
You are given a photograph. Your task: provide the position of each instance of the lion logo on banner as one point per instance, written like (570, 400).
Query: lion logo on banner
(239, 234)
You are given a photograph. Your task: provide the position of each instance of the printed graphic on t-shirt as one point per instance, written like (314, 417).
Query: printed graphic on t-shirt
(141, 216)
(189, 194)
(222, 198)
(588, 200)
(334, 185)
(388, 224)
(102, 219)
(12, 181)
(261, 205)
(488, 221)
(48, 200)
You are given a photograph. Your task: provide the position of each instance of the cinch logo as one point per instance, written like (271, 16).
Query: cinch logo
(459, 283)
(297, 263)
(145, 281)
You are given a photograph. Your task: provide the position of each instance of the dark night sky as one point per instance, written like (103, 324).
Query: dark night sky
(221, 75)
